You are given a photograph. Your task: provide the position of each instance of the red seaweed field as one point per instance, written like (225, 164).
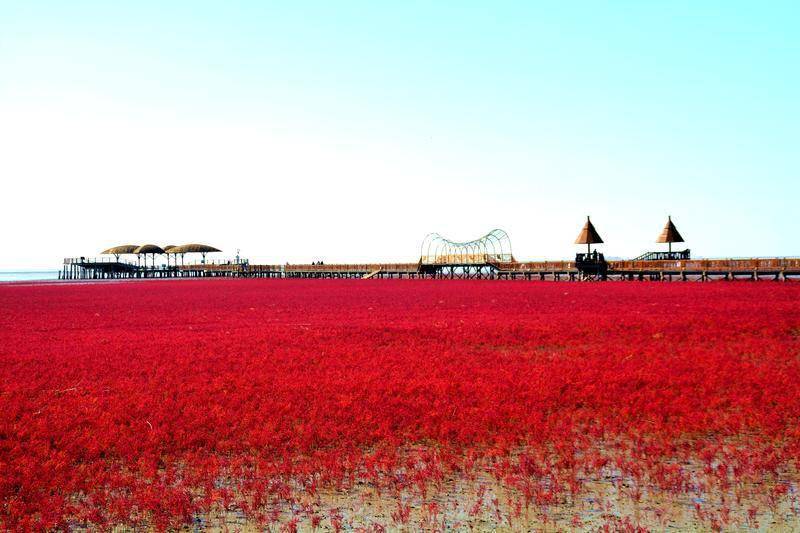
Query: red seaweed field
(386, 404)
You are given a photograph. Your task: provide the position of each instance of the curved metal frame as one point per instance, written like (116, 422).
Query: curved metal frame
(495, 246)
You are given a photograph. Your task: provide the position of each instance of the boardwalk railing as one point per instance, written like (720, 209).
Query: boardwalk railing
(362, 267)
(537, 266)
(707, 265)
(102, 259)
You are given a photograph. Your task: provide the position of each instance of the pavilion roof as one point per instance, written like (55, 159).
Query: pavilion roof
(670, 233)
(193, 248)
(588, 234)
(121, 249)
(149, 249)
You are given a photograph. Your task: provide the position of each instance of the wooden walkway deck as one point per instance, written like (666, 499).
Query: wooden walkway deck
(685, 270)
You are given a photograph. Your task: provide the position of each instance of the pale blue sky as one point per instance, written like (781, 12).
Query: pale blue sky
(346, 131)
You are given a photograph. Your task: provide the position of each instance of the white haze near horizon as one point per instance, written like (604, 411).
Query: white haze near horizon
(85, 182)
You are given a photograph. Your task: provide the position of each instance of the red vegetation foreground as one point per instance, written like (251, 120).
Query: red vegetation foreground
(376, 403)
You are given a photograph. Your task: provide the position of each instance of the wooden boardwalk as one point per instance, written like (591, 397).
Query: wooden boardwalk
(756, 269)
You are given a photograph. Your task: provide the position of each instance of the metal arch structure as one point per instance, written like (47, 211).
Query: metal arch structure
(494, 247)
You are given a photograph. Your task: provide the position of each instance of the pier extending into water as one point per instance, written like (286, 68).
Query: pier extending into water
(778, 269)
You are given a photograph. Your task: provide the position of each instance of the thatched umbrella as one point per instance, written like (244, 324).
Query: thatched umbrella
(116, 251)
(202, 249)
(670, 234)
(588, 236)
(149, 249)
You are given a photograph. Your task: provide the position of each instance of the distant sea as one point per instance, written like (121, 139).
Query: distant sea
(28, 275)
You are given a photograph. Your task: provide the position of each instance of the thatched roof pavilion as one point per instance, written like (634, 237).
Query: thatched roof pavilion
(193, 248)
(588, 235)
(149, 249)
(670, 234)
